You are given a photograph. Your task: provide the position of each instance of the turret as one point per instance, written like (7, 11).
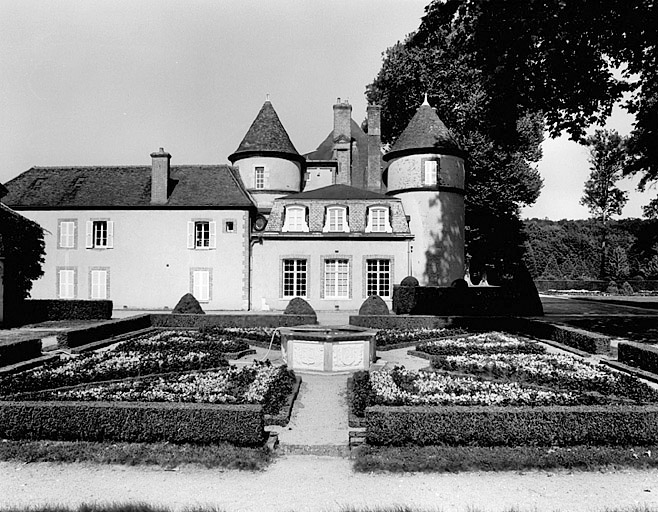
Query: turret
(268, 162)
(426, 170)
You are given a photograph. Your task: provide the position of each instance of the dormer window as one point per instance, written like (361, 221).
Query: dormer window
(295, 219)
(431, 170)
(336, 220)
(378, 220)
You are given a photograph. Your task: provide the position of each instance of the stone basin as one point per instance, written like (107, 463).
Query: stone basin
(327, 348)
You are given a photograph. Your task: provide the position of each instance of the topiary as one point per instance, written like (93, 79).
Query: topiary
(409, 281)
(460, 284)
(188, 305)
(298, 306)
(612, 288)
(627, 289)
(374, 305)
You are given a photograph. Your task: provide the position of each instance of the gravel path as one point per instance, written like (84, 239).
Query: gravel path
(308, 482)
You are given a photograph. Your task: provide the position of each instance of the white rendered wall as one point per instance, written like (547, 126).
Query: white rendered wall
(150, 265)
(282, 176)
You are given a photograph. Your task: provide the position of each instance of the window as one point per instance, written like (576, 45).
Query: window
(229, 226)
(66, 281)
(295, 219)
(336, 220)
(294, 278)
(431, 169)
(336, 279)
(201, 234)
(100, 234)
(67, 234)
(201, 282)
(378, 220)
(378, 277)
(259, 177)
(98, 283)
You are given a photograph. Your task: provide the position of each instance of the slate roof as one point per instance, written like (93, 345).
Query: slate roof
(338, 192)
(125, 187)
(424, 131)
(266, 134)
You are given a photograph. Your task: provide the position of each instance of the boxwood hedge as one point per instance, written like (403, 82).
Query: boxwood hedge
(512, 426)
(638, 355)
(19, 351)
(241, 425)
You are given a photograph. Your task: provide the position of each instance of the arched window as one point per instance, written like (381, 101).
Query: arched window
(378, 220)
(336, 220)
(295, 219)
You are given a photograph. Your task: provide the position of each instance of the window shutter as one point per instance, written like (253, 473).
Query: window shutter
(266, 178)
(346, 218)
(213, 235)
(110, 234)
(190, 235)
(89, 243)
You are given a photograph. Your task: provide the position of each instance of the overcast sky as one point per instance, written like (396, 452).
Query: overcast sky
(108, 82)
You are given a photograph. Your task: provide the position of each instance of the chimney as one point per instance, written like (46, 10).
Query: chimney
(343, 141)
(160, 176)
(374, 170)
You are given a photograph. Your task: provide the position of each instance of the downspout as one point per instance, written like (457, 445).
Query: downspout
(252, 242)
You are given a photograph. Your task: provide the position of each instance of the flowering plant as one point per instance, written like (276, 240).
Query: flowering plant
(487, 343)
(393, 336)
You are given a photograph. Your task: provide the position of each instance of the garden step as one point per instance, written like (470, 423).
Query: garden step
(320, 449)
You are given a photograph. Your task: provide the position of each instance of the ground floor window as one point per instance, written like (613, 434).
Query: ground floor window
(98, 282)
(66, 283)
(378, 277)
(294, 277)
(336, 279)
(201, 283)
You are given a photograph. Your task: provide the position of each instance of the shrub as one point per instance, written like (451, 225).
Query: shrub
(246, 321)
(42, 310)
(512, 426)
(188, 305)
(612, 288)
(627, 289)
(299, 306)
(361, 393)
(18, 351)
(374, 305)
(86, 335)
(409, 281)
(638, 355)
(133, 422)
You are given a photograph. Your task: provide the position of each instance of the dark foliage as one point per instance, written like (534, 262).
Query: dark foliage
(374, 305)
(86, 335)
(409, 281)
(188, 305)
(638, 355)
(361, 394)
(299, 306)
(18, 351)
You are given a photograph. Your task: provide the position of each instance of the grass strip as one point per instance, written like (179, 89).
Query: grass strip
(456, 459)
(165, 455)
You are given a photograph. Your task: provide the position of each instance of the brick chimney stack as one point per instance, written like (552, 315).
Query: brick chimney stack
(343, 141)
(160, 176)
(374, 170)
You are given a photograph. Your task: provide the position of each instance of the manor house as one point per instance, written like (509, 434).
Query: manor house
(332, 226)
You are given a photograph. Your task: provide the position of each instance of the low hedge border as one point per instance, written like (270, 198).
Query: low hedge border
(637, 372)
(172, 320)
(639, 355)
(283, 418)
(19, 351)
(139, 422)
(27, 365)
(86, 335)
(512, 426)
(32, 311)
(95, 345)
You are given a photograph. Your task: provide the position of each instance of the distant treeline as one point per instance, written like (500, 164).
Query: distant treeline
(572, 249)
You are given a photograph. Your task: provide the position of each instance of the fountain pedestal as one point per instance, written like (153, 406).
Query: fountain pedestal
(327, 349)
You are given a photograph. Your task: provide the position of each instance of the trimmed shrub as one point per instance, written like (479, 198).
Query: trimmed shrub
(86, 335)
(409, 281)
(360, 393)
(45, 310)
(188, 305)
(638, 355)
(299, 306)
(626, 289)
(133, 422)
(374, 305)
(612, 288)
(19, 351)
(591, 342)
(512, 426)
(247, 320)
(459, 283)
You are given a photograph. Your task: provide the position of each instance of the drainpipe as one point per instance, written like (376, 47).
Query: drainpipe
(252, 242)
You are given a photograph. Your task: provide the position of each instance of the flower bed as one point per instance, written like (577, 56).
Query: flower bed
(487, 343)
(167, 351)
(261, 335)
(386, 337)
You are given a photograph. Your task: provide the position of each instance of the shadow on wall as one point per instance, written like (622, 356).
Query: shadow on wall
(444, 258)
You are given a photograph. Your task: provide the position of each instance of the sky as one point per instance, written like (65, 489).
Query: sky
(107, 82)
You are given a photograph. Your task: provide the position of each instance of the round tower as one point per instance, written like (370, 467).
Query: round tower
(268, 162)
(426, 171)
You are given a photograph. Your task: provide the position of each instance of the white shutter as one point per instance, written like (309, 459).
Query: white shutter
(266, 178)
(190, 235)
(201, 285)
(66, 284)
(89, 241)
(213, 235)
(99, 284)
(110, 234)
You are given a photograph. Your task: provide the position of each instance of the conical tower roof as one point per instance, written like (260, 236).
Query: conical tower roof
(424, 133)
(266, 135)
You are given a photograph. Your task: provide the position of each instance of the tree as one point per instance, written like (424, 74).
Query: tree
(607, 157)
(618, 267)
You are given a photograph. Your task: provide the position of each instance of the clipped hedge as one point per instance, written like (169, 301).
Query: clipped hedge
(86, 335)
(173, 321)
(591, 342)
(638, 355)
(19, 351)
(512, 426)
(241, 425)
(42, 310)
